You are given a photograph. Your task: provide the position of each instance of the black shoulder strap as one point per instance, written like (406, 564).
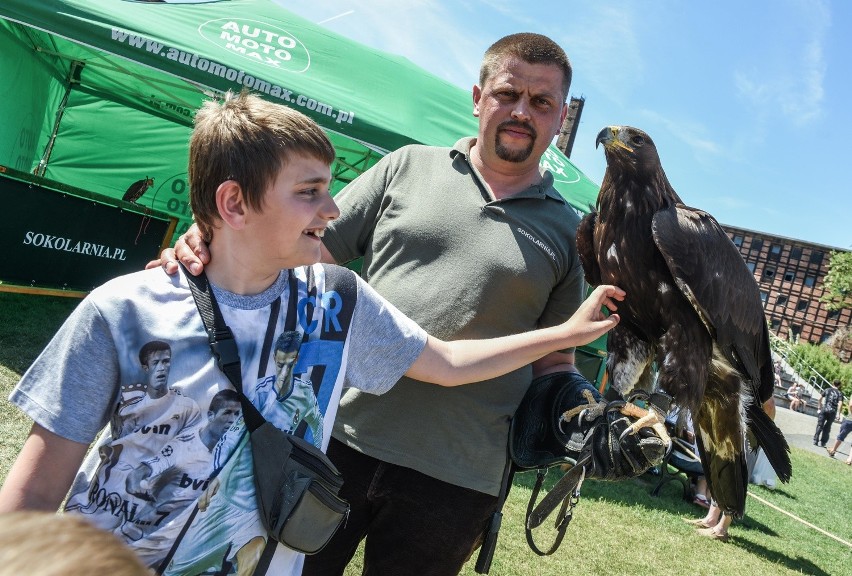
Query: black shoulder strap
(222, 343)
(224, 348)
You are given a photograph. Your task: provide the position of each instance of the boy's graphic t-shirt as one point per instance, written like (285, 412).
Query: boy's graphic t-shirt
(171, 472)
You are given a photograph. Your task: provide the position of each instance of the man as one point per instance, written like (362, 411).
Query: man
(475, 241)
(471, 241)
(827, 408)
(845, 428)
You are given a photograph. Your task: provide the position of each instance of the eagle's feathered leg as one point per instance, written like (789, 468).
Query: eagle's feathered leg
(630, 368)
(629, 360)
(721, 425)
(684, 376)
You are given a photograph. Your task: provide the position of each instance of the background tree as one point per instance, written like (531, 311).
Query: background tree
(838, 281)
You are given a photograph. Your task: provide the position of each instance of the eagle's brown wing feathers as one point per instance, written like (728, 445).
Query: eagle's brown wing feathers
(586, 250)
(709, 270)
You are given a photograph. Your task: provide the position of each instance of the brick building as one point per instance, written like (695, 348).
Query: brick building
(790, 274)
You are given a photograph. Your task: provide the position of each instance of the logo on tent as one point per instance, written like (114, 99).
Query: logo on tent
(258, 41)
(561, 170)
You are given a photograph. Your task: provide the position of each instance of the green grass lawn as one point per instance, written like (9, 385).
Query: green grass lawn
(618, 528)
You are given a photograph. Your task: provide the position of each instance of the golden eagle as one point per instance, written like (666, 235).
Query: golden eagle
(692, 311)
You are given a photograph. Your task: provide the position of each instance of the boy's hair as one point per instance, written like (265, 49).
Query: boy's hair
(47, 544)
(249, 140)
(531, 48)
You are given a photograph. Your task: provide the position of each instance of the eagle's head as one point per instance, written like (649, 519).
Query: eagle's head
(631, 157)
(629, 149)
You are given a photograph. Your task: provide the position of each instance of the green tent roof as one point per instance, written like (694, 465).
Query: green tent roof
(100, 93)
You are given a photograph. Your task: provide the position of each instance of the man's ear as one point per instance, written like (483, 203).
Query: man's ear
(477, 94)
(231, 204)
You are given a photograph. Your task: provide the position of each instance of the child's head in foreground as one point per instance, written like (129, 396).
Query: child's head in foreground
(247, 140)
(47, 544)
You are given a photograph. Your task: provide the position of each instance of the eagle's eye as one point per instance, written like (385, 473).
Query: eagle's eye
(637, 140)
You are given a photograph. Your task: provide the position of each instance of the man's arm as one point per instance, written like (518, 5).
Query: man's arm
(464, 361)
(42, 473)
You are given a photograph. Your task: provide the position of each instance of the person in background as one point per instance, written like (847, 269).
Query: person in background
(845, 428)
(689, 462)
(795, 394)
(829, 402)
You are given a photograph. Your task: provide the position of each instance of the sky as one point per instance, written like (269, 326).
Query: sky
(749, 103)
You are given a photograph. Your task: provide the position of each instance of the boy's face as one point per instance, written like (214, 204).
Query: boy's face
(296, 210)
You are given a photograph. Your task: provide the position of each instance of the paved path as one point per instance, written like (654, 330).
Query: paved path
(799, 430)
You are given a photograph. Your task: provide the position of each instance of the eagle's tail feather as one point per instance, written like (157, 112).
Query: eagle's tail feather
(771, 439)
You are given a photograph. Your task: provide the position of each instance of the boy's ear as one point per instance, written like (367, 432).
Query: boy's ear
(231, 204)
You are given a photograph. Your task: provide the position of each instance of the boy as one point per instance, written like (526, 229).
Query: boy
(259, 176)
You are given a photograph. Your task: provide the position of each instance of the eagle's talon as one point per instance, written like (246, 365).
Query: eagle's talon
(644, 418)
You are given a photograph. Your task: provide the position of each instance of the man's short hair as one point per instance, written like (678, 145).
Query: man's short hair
(249, 140)
(151, 347)
(49, 544)
(531, 48)
(223, 397)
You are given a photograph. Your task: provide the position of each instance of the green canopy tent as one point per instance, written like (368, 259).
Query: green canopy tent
(100, 93)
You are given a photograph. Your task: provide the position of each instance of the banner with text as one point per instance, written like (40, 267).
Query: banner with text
(51, 239)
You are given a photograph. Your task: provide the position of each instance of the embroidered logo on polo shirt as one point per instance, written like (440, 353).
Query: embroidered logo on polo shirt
(538, 243)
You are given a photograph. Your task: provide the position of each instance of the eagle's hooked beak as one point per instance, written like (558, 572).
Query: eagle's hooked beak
(610, 138)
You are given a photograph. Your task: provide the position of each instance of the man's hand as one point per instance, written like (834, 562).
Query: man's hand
(190, 249)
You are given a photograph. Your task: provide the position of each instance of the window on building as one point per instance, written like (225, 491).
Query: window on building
(768, 273)
(774, 251)
(774, 323)
(802, 305)
(751, 266)
(825, 336)
(816, 257)
(781, 300)
(764, 296)
(810, 281)
(789, 276)
(738, 240)
(795, 252)
(795, 330)
(756, 244)
(833, 314)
